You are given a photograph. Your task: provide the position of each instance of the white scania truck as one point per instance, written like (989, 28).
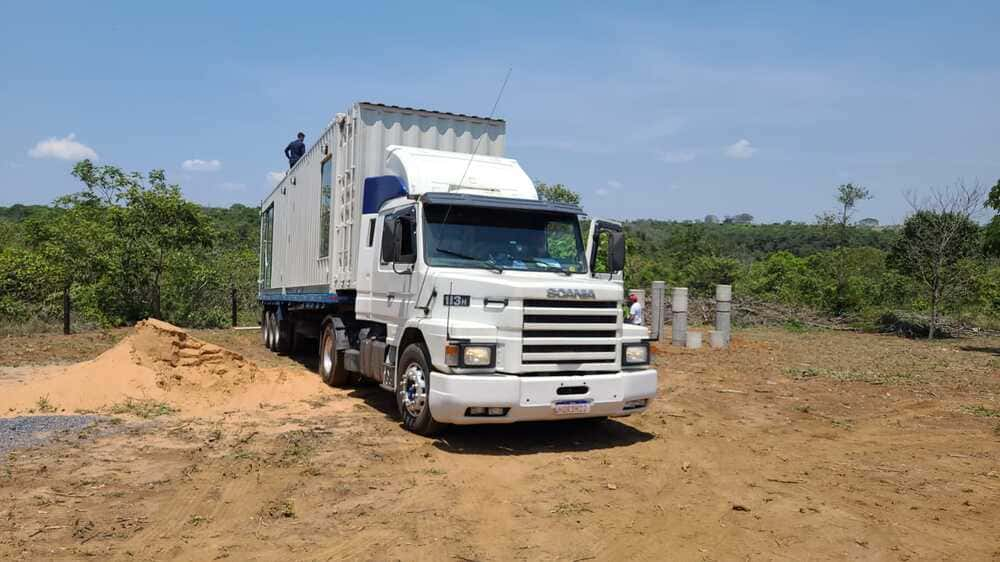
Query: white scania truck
(417, 256)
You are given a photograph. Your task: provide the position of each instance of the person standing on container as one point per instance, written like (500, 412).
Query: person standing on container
(635, 310)
(295, 149)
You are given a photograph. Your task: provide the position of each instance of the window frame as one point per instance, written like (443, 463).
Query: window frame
(326, 212)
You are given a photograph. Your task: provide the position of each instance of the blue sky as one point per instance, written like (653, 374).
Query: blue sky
(650, 110)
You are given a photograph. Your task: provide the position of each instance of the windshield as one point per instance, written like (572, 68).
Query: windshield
(495, 238)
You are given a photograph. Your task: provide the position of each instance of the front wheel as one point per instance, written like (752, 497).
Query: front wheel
(413, 391)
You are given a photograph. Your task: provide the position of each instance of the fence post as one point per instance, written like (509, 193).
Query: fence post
(232, 296)
(656, 306)
(66, 307)
(724, 311)
(679, 305)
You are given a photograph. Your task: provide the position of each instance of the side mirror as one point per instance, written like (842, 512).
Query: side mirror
(406, 247)
(389, 240)
(616, 251)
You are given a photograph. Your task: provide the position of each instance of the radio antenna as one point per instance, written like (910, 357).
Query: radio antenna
(475, 149)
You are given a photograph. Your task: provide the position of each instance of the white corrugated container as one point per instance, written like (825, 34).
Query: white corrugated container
(355, 145)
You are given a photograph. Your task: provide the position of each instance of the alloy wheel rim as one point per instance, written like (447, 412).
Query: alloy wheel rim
(414, 390)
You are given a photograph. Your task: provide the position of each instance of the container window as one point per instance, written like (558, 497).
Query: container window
(325, 196)
(266, 245)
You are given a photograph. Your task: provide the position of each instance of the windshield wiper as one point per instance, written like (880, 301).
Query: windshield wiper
(488, 263)
(549, 266)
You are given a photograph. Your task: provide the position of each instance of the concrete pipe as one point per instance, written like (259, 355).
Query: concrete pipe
(679, 306)
(693, 340)
(724, 311)
(656, 309)
(716, 339)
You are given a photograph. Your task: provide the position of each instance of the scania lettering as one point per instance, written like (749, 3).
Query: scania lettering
(411, 252)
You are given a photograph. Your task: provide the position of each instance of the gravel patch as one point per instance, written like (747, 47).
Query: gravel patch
(27, 431)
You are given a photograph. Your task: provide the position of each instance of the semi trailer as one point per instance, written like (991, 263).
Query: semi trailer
(419, 257)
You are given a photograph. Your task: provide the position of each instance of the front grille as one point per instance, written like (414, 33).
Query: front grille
(569, 332)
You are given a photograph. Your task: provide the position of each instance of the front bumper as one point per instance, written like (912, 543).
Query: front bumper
(531, 398)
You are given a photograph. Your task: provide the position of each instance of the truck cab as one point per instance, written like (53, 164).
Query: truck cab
(491, 306)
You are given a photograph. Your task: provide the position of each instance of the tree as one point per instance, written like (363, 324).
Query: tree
(711, 219)
(742, 218)
(992, 234)
(935, 240)
(868, 223)
(72, 244)
(151, 222)
(848, 195)
(557, 193)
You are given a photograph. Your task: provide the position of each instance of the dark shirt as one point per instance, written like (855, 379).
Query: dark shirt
(295, 150)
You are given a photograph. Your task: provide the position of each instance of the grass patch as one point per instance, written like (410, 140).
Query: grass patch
(299, 446)
(283, 509)
(198, 520)
(795, 327)
(981, 411)
(143, 408)
(44, 406)
(869, 377)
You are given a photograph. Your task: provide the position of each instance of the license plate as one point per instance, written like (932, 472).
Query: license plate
(571, 407)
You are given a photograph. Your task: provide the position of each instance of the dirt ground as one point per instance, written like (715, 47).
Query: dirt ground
(789, 446)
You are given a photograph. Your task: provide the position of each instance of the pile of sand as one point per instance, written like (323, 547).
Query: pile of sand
(157, 362)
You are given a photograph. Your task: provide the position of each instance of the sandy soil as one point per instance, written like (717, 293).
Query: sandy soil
(789, 446)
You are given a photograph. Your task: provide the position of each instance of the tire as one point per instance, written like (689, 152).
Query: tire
(283, 336)
(269, 326)
(331, 361)
(413, 391)
(265, 329)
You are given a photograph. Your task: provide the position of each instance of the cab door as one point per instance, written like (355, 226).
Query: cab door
(392, 279)
(606, 250)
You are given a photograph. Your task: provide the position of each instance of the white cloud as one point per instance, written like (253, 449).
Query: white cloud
(601, 192)
(65, 148)
(274, 177)
(675, 156)
(740, 149)
(232, 186)
(196, 165)
(615, 184)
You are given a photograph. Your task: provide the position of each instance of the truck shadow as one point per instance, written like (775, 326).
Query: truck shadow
(528, 438)
(524, 438)
(981, 349)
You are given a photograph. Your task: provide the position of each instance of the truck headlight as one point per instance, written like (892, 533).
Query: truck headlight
(469, 355)
(477, 356)
(635, 353)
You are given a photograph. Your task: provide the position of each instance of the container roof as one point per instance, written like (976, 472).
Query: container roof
(402, 108)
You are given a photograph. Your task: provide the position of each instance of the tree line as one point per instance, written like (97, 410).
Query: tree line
(128, 246)
(939, 262)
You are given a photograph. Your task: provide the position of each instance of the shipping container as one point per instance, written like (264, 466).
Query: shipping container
(311, 221)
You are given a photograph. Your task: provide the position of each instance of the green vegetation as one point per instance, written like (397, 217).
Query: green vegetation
(870, 377)
(143, 408)
(939, 262)
(981, 411)
(126, 247)
(44, 406)
(130, 246)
